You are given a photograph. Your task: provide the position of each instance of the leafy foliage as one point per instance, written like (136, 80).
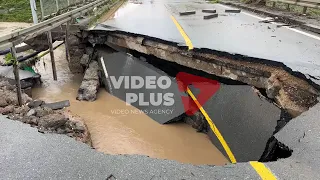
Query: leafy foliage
(15, 11)
(9, 59)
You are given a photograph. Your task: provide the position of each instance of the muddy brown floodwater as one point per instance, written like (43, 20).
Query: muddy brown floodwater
(124, 134)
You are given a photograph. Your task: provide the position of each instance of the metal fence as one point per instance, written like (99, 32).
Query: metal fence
(49, 7)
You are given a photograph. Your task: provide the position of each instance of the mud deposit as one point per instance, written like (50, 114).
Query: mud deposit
(132, 133)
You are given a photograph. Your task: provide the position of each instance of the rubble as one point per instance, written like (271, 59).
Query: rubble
(57, 105)
(197, 121)
(290, 91)
(52, 121)
(185, 13)
(85, 59)
(37, 113)
(90, 83)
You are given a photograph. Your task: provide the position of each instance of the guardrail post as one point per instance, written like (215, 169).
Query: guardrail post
(57, 3)
(42, 10)
(68, 5)
(33, 7)
(16, 74)
(66, 42)
(53, 63)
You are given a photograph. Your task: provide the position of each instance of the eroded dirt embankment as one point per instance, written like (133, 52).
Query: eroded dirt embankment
(290, 90)
(37, 114)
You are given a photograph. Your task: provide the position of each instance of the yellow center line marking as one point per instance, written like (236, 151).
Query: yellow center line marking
(213, 128)
(262, 170)
(183, 34)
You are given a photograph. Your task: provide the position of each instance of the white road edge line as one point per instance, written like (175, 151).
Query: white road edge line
(104, 67)
(107, 75)
(292, 29)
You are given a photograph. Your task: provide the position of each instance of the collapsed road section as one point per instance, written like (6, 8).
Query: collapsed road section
(246, 116)
(290, 90)
(243, 115)
(250, 99)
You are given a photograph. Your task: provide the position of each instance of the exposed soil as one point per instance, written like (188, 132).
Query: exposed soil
(8, 27)
(35, 113)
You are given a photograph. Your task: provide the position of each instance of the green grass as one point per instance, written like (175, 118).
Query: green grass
(20, 13)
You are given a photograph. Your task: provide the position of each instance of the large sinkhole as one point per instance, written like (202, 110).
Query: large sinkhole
(245, 118)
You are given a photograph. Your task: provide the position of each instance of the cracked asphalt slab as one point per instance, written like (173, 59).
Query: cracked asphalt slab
(302, 135)
(27, 154)
(235, 33)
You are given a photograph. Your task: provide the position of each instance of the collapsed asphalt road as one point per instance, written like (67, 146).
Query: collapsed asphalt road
(246, 120)
(234, 33)
(27, 154)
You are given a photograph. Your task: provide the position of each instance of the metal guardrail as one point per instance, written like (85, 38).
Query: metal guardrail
(50, 7)
(18, 37)
(304, 3)
(15, 38)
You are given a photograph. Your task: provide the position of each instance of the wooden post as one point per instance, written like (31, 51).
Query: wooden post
(16, 75)
(66, 42)
(53, 63)
(304, 11)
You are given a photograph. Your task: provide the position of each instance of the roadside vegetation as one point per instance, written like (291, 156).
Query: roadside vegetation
(295, 8)
(283, 7)
(15, 11)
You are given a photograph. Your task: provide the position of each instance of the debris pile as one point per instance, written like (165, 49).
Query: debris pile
(90, 83)
(38, 114)
(212, 13)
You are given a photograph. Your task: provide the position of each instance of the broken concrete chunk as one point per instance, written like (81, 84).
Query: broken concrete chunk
(6, 110)
(209, 10)
(73, 40)
(187, 13)
(21, 110)
(233, 10)
(210, 16)
(85, 60)
(52, 121)
(5, 84)
(3, 102)
(92, 72)
(89, 51)
(31, 112)
(197, 121)
(57, 105)
(90, 84)
(10, 97)
(35, 103)
(40, 112)
(30, 120)
(88, 90)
